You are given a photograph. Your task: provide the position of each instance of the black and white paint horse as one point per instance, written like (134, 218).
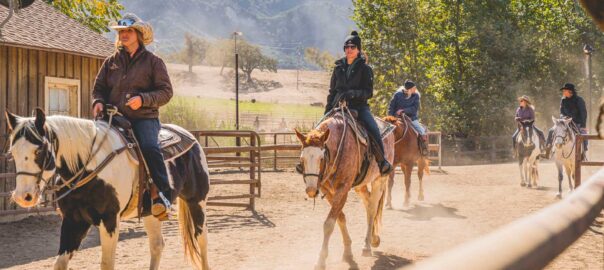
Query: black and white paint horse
(564, 140)
(529, 148)
(45, 146)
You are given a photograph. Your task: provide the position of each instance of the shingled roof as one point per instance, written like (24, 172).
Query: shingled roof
(41, 26)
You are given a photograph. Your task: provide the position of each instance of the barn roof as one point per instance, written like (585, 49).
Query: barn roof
(41, 26)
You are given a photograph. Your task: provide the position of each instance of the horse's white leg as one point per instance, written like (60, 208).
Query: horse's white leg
(390, 185)
(108, 245)
(420, 175)
(347, 256)
(156, 240)
(521, 168)
(407, 174)
(570, 173)
(560, 178)
(63, 261)
(337, 204)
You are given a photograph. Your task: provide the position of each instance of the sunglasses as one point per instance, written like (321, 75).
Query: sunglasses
(352, 47)
(125, 22)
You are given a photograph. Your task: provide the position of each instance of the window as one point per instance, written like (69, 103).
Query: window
(62, 96)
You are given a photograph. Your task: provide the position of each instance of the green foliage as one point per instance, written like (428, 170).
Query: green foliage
(471, 59)
(324, 60)
(186, 113)
(96, 14)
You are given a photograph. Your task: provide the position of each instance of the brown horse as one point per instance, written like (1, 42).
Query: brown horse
(406, 153)
(331, 156)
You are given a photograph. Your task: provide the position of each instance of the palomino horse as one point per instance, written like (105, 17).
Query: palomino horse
(76, 149)
(406, 153)
(528, 144)
(564, 140)
(331, 157)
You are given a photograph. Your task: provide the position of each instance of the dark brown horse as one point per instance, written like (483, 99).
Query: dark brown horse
(406, 153)
(331, 156)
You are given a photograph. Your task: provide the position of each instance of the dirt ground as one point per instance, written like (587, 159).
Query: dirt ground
(286, 230)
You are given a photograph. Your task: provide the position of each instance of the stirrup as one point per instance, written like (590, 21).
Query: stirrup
(160, 208)
(387, 170)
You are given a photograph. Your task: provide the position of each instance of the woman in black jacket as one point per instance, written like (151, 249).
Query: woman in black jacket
(352, 81)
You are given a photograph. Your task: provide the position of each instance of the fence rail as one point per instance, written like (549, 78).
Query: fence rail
(531, 242)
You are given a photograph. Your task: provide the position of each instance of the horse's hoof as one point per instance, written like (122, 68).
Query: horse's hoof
(522, 184)
(420, 197)
(529, 186)
(559, 196)
(348, 258)
(375, 241)
(367, 252)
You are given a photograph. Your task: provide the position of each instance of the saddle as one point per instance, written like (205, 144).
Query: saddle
(173, 141)
(361, 134)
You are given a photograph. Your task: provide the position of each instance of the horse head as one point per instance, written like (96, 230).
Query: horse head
(562, 132)
(32, 151)
(314, 159)
(526, 133)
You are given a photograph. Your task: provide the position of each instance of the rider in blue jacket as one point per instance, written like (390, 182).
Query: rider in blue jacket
(407, 101)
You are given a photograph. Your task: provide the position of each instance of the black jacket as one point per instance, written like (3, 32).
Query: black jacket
(357, 85)
(574, 107)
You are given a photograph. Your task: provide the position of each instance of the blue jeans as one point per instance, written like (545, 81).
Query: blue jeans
(146, 132)
(418, 127)
(369, 123)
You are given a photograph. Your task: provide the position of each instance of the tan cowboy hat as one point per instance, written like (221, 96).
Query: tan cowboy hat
(525, 98)
(130, 20)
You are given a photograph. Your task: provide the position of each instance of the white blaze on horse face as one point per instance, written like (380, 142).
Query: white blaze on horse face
(312, 157)
(560, 133)
(26, 193)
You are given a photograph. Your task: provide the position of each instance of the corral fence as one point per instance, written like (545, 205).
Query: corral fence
(579, 153)
(282, 149)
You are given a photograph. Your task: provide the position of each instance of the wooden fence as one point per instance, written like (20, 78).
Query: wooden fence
(579, 153)
(285, 148)
(246, 154)
(531, 242)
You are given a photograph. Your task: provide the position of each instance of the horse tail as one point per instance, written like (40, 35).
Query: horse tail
(191, 221)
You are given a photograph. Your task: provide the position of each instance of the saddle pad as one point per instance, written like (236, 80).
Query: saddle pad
(174, 141)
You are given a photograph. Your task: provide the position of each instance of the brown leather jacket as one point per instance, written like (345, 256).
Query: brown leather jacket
(144, 75)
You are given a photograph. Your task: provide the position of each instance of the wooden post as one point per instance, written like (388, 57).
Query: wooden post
(440, 146)
(275, 152)
(578, 154)
(252, 173)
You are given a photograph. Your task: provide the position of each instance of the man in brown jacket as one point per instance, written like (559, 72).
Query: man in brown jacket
(137, 82)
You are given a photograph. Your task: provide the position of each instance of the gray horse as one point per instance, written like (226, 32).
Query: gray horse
(564, 140)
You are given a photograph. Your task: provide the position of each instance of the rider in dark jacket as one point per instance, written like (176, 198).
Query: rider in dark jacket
(352, 81)
(572, 106)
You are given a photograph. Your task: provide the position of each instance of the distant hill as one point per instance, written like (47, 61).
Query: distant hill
(280, 26)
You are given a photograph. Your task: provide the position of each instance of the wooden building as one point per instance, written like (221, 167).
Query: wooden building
(47, 60)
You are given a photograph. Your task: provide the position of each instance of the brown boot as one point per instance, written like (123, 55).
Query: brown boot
(423, 145)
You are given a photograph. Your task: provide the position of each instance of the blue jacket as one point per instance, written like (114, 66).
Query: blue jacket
(409, 105)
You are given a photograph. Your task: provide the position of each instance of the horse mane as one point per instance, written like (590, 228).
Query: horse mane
(391, 119)
(74, 136)
(313, 138)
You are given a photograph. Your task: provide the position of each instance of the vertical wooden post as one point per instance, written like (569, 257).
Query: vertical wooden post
(275, 152)
(578, 154)
(440, 146)
(252, 173)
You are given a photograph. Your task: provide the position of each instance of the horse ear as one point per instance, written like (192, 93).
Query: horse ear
(300, 136)
(11, 119)
(567, 121)
(325, 136)
(40, 120)
(554, 120)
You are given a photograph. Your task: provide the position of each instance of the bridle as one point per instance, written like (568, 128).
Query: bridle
(44, 149)
(322, 168)
(566, 138)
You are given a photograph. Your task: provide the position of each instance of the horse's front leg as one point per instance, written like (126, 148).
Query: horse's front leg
(521, 168)
(109, 231)
(560, 178)
(156, 240)
(390, 185)
(72, 234)
(570, 174)
(339, 199)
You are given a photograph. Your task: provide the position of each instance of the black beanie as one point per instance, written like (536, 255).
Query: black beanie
(409, 84)
(353, 39)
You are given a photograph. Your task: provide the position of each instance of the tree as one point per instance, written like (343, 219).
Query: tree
(472, 58)
(323, 60)
(95, 14)
(251, 57)
(194, 51)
